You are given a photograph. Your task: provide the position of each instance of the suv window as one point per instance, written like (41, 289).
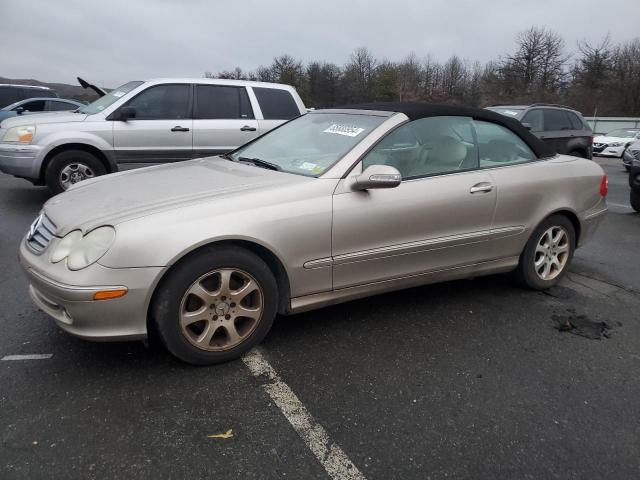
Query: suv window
(162, 102)
(35, 106)
(56, 106)
(221, 101)
(427, 146)
(276, 104)
(576, 123)
(34, 92)
(8, 95)
(534, 118)
(556, 120)
(498, 146)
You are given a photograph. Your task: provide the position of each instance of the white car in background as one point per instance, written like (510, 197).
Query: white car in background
(614, 143)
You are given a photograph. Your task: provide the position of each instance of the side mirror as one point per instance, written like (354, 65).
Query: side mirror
(125, 113)
(377, 176)
(527, 126)
(19, 110)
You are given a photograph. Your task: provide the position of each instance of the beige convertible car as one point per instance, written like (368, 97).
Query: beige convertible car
(332, 206)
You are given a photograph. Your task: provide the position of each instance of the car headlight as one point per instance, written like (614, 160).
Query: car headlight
(616, 144)
(23, 134)
(80, 251)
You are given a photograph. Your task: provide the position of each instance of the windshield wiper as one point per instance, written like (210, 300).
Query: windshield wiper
(260, 163)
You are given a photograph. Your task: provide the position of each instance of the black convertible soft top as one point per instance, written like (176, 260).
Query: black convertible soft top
(415, 110)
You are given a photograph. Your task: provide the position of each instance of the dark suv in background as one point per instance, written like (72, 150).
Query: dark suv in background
(14, 93)
(562, 128)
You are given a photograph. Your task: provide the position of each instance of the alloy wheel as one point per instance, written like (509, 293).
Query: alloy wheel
(74, 173)
(221, 309)
(552, 253)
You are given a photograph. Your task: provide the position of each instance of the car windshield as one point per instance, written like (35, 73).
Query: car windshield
(310, 144)
(103, 102)
(623, 133)
(508, 111)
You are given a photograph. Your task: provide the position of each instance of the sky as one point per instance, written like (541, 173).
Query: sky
(112, 42)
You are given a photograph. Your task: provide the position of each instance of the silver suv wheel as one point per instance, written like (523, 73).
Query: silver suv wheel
(74, 173)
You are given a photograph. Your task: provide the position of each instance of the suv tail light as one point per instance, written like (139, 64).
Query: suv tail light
(604, 186)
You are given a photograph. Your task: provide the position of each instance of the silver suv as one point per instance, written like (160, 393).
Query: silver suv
(142, 123)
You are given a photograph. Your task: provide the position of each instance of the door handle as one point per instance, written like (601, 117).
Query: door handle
(247, 128)
(481, 188)
(178, 128)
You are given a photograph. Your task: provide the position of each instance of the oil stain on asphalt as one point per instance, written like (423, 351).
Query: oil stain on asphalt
(581, 325)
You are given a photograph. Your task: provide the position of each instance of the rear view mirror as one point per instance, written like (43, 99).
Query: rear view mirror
(19, 110)
(125, 113)
(377, 176)
(527, 126)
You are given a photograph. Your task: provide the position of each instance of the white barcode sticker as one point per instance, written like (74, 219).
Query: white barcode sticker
(347, 130)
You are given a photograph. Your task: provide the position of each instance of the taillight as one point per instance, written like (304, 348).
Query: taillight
(604, 186)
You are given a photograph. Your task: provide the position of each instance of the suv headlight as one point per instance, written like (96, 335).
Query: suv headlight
(80, 251)
(23, 134)
(616, 144)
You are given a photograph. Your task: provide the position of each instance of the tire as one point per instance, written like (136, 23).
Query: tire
(215, 330)
(634, 199)
(577, 153)
(527, 273)
(74, 165)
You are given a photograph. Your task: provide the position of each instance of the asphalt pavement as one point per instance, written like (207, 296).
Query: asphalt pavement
(467, 379)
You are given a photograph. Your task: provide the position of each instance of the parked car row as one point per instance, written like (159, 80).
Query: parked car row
(156, 121)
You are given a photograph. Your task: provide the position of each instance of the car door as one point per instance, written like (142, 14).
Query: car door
(558, 130)
(223, 119)
(162, 129)
(520, 181)
(439, 217)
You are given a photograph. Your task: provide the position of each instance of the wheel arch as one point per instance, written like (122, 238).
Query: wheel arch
(268, 256)
(573, 218)
(107, 161)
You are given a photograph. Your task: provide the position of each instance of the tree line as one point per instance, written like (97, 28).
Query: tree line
(595, 78)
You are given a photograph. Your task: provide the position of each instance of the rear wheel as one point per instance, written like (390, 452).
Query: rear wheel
(70, 167)
(577, 153)
(634, 199)
(548, 253)
(216, 305)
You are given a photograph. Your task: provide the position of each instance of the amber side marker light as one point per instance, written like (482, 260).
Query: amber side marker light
(109, 294)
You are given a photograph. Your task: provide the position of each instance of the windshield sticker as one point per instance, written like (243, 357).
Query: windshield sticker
(308, 166)
(510, 112)
(318, 169)
(348, 130)
(117, 94)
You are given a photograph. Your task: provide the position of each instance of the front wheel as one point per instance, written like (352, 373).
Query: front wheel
(548, 253)
(70, 167)
(634, 199)
(215, 305)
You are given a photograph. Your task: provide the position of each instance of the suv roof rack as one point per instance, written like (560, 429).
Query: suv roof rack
(37, 87)
(551, 105)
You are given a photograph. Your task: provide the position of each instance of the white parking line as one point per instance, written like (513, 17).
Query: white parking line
(329, 454)
(36, 356)
(619, 205)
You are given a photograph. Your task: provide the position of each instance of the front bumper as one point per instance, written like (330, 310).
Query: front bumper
(20, 160)
(629, 156)
(70, 301)
(607, 151)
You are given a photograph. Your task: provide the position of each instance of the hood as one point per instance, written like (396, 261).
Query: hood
(607, 139)
(41, 118)
(115, 198)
